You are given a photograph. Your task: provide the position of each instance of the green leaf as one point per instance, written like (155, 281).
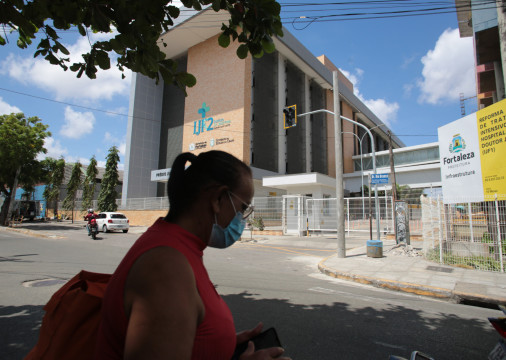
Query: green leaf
(2, 41)
(187, 79)
(224, 40)
(52, 59)
(242, 51)
(21, 44)
(81, 29)
(102, 60)
(62, 48)
(196, 5)
(51, 33)
(268, 45)
(173, 11)
(216, 5)
(259, 54)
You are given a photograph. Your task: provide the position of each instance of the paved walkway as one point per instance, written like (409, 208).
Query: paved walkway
(399, 269)
(403, 269)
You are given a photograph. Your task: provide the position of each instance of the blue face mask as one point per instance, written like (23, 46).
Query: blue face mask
(223, 238)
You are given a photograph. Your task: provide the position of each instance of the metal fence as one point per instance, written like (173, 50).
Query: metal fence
(270, 210)
(469, 234)
(155, 203)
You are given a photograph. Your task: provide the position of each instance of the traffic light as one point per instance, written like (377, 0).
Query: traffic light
(290, 116)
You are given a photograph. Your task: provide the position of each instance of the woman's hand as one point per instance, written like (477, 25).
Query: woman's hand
(264, 354)
(246, 335)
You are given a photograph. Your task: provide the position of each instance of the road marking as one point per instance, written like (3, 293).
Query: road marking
(322, 290)
(285, 250)
(389, 345)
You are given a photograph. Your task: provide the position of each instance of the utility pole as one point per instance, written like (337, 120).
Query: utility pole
(338, 143)
(392, 166)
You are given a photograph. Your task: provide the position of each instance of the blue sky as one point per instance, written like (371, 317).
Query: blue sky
(409, 71)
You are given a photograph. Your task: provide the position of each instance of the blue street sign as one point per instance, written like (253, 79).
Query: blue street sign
(379, 178)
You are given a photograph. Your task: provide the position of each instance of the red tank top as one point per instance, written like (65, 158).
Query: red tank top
(215, 337)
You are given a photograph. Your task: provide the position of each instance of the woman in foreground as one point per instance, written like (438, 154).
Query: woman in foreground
(160, 303)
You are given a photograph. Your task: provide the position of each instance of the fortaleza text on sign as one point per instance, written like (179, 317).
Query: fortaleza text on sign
(457, 158)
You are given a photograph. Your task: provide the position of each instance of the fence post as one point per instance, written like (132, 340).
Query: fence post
(393, 212)
(440, 227)
(386, 210)
(446, 232)
(348, 215)
(431, 223)
(499, 240)
(470, 218)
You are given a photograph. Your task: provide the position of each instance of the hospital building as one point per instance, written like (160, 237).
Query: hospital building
(237, 106)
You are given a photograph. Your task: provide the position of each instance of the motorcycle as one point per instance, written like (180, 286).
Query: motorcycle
(93, 229)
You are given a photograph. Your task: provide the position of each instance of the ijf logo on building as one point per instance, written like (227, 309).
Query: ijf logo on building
(199, 126)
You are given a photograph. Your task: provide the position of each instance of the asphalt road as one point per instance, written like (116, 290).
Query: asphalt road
(317, 317)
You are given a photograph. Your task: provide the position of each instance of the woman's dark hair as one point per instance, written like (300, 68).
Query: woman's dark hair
(211, 167)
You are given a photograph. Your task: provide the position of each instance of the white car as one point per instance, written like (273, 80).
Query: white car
(108, 221)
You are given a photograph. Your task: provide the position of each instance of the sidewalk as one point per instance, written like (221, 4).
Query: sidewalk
(397, 270)
(402, 270)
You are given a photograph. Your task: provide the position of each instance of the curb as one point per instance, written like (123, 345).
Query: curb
(423, 290)
(32, 233)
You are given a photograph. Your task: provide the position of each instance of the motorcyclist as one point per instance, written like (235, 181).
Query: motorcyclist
(91, 218)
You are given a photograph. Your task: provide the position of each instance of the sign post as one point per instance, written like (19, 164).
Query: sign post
(379, 179)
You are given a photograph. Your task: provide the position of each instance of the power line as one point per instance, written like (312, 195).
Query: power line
(65, 103)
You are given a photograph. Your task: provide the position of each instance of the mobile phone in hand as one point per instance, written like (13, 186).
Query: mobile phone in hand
(266, 339)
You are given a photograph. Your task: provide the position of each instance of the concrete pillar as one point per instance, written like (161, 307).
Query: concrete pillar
(501, 22)
(307, 95)
(281, 105)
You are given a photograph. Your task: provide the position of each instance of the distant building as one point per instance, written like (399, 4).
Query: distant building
(33, 205)
(485, 22)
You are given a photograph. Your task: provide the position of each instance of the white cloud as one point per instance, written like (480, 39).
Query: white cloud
(384, 110)
(74, 159)
(111, 140)
(54, 149)
(122, 148)
(64, 84)
(7, 109)
(448, 69)
(101, 164)
(77, 124)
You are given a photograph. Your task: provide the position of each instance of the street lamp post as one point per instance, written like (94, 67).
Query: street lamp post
(341, 250)
(361, 170)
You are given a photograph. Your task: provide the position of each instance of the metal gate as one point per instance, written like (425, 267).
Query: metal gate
(321, 214)
(293, 215)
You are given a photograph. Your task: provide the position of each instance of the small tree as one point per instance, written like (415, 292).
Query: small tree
(21, 140)
(72, 186)
(108, 194)
(54, 181)
(89, 184)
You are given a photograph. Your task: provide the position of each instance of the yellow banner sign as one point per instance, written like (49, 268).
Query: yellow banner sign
(491, 123)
